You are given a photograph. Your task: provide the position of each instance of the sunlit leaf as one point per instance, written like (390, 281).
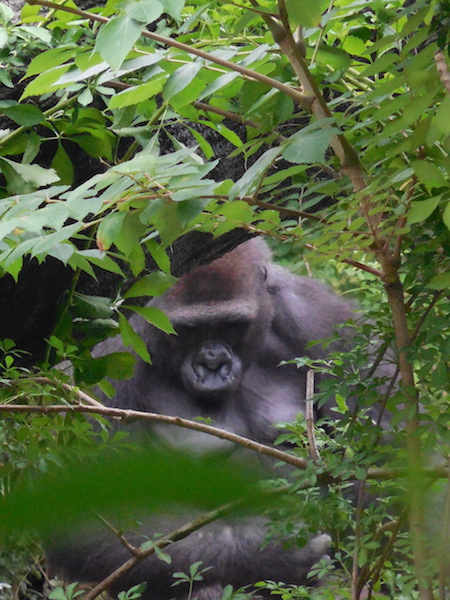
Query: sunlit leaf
(440, 282)
(251, 179)
(144, 11)
(306, 14)
(116, 38)
(33, 173)
(138, 93)
(180, 79)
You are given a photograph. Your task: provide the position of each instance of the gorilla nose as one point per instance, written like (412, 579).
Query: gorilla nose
(214, 358)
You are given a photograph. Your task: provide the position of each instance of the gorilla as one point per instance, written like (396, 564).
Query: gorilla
(236, 320)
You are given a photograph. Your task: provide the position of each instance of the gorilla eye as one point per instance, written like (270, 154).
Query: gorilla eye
(265, 273)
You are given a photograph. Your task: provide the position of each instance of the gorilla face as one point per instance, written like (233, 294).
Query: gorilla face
(210, 370)
(237, 319)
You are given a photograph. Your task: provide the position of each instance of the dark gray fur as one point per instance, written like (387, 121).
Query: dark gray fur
(251, 314)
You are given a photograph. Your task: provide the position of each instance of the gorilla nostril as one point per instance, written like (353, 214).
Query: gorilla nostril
(225, 369)
(214, 358)
(200, 370)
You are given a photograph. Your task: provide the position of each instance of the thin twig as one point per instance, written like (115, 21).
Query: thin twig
(313, 450)
(442, 68)
(176, 535)
(358, 535)
(376, 473)
(119, 535)
(303, 101)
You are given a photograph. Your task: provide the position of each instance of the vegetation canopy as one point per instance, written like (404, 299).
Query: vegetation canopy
(323, 126)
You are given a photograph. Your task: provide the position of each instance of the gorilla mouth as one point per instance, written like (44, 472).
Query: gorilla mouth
(210, 370)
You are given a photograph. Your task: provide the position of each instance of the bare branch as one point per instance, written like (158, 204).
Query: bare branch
(375, 473)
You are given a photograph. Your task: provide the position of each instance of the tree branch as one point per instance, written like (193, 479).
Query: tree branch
(122, 414)
(303, 100)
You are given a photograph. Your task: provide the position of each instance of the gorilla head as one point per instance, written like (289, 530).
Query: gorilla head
(236, 319)
(218, 312)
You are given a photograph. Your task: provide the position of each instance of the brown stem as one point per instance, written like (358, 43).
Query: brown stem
(442, 68)
(313, 450)
(282, 35)
(176, 535)
(358, 536)
(417, 528)
(375, 473)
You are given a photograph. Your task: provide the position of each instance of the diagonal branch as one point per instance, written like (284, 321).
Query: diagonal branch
(302, 99)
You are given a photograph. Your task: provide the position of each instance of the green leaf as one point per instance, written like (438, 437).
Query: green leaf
(441, 119)
(440, 282)
(153, 284)
(116, 38)
(154, 316)
(336, 58)
(144, 11)
(92, 307)
(384, 63)
(118, 365)
(429, 174)
(446, 215)
(62, 252)
(308, 146)
(251, 178)
(173, 8)
(138, 94)
(109, 229)
(47, 242)
(145, 479)
(159, 255)
(26, 115)
(307, 14)
(136, 258)
(48, 60)
(63, 165)
(131, 338)
(421, 209)
(44, 83)
(102, 260)
(33, 174)
(180, 79)
(128, 236)
(354, 45)
(3, 38)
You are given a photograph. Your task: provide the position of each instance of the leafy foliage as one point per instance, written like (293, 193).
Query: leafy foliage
(358, 186)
